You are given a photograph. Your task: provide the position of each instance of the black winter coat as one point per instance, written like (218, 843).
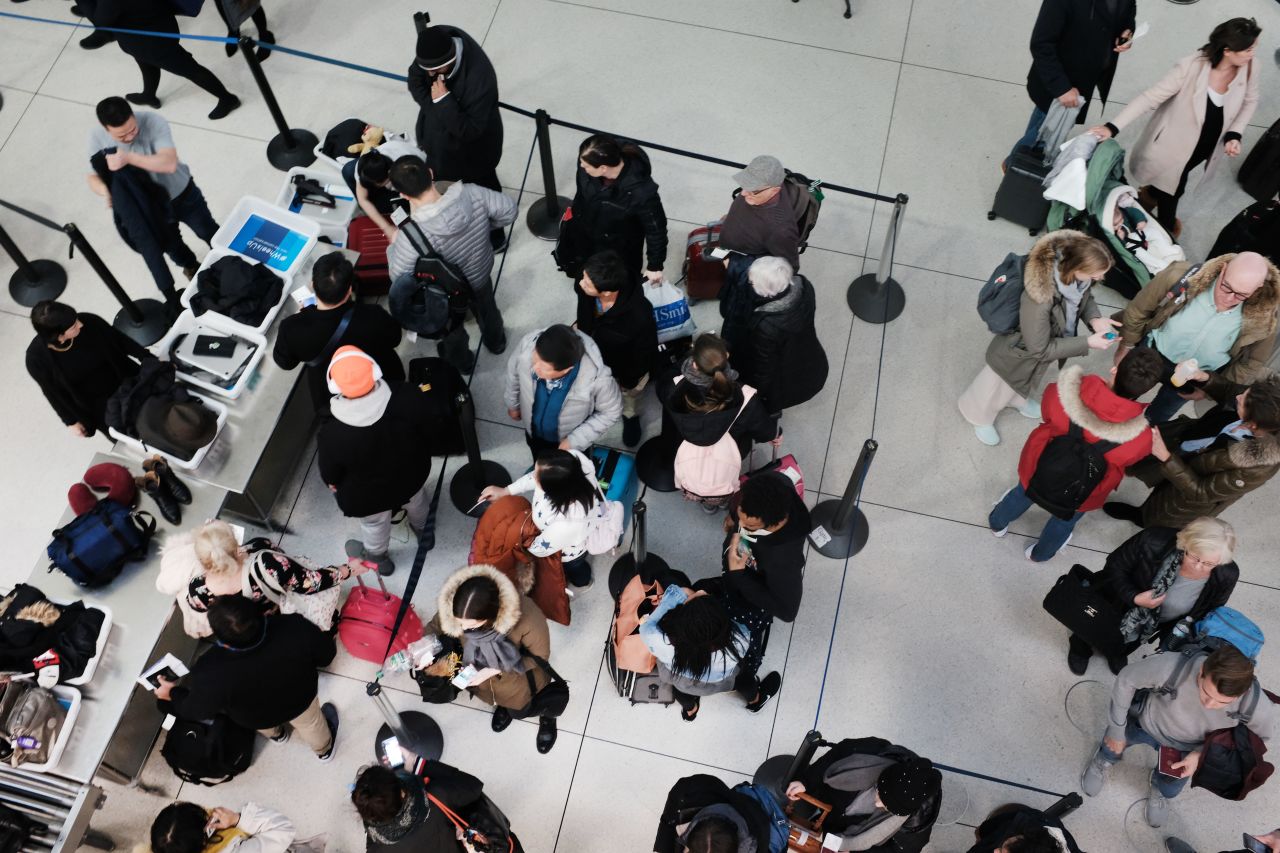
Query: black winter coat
(694, 793)
(1073, 45)
(706, 428)
(775, 584)
(627, 334)
(154, 379)
(79, 382)
(781, 355)
(141, 211)
(26, 632)
(235, 288)
(379, 467)
(1131, 569)
(462, 134)
(436, 833)
(303, 336)
(997, 829)
(625, 216)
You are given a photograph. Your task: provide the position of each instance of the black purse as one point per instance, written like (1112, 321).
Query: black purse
(439, 689)
(1076, 601)
(552, 699)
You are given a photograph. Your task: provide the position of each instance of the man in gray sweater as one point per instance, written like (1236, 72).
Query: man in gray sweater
(1208, 694)
(456, 223)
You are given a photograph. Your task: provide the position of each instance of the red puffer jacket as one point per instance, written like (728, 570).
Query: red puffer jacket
(1104, 415)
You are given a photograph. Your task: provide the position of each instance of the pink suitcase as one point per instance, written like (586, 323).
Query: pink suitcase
(364, 625)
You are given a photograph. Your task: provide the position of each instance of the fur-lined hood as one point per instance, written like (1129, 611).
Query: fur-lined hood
(1260, 452)
(1260, 310)
(41, 612)
(508, 600)
(1096, 408)
(1037, 275)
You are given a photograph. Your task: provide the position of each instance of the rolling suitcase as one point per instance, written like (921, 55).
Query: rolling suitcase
(439, 378)
(1260, 172)
(1020, 198)
(367, 238)
(364, 625)
(1254, 229)
(703, 275)
(616, 472)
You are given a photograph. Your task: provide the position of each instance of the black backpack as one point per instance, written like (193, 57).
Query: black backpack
(1069, 469)
(434, 298)
(208, 752)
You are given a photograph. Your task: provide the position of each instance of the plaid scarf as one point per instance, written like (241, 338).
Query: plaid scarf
(1139, 623)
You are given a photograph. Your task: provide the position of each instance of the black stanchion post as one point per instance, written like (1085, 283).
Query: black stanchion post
(413, 730)
(839, 527)
(778, 770)
(472, 478)
(877, 297)
(291, 146)
(144, 320)
(656, 463)
(649, 566)
(34, 281)
(545, 213)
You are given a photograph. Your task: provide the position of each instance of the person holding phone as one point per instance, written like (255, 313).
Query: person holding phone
(1266, 843)
(190, 828)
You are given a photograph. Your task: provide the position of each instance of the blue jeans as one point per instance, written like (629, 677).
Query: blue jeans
(1166, 404)
(1033, 130)
(191, 208)
(1054, 535)
(1133, 734)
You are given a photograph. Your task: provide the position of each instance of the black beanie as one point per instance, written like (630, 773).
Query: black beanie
(903, 787)
(435, 47)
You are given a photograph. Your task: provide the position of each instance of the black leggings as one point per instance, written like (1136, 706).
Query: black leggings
(170, 56)
(259, 21)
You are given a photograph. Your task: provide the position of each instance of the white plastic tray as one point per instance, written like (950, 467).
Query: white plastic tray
(216, 255)
(91, 666)
(328, 217)
(197, 457)
(69, 697)
(187, 321)
(290, 251)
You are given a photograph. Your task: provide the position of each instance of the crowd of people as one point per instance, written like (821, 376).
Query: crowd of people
(1196, 332)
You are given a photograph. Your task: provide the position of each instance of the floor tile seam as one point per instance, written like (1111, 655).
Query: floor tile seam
(745, 773)
(172, 121)
(36, 93)
(577, 758)
(496, 7)
(297, 498)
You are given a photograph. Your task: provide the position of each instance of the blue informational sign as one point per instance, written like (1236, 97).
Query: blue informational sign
(269, 243)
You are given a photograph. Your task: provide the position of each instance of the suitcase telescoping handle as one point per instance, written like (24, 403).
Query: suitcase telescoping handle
(381, 584)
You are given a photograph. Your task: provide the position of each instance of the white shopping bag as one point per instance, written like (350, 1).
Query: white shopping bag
(670, 309)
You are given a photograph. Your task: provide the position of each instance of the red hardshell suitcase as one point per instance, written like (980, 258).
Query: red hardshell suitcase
(364, 625)
(365, 237)
(703, 275)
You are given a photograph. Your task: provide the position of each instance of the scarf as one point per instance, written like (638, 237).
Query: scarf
(1139, 623)
(485, 648)
(692, 374)
(1072, 295)
(412, 813)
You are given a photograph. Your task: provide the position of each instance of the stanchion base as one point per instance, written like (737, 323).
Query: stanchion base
(50, 281)
(772, 774)
(840, 545)
(543, 221)
(425, 737)
(876, 303)
(656, 464)
(465, 487)
(155, 321)
(295, 148)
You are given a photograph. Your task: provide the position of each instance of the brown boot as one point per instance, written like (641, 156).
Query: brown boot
(1147, 200)
(169, 509)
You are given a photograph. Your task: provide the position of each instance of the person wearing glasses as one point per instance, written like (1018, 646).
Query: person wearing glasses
(1222, 314)
(1159, 577)
(761, 220)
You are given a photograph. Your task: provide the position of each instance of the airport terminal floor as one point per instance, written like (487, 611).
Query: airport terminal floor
(933, 636)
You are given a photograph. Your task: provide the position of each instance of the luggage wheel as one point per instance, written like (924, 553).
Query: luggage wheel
(1033, 231)
(991, 214)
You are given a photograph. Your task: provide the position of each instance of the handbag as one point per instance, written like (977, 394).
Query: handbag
(435, 682)
(604, 526)
(318, 608)
(670, 310)
(787, 466)
(1076, 601)
(806, 831)
(552, 699)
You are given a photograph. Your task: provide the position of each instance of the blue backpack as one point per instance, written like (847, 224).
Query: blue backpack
(779, 825)
(93, 548)
(1226, 625)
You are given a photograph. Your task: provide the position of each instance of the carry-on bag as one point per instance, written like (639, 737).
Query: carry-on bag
(441, 380)
(1254, 229)
(786, 466)
(364, 236)
(1020, 198)
(366, 620)
(1076, 602)
(703, 275)
(616, 473)
(1260, 172)
(95, 546)
(208, 752)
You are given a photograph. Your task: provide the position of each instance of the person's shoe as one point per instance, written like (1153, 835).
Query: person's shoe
(501, 719)
(631, 431)
(1078, 664)
(710, 508)
(1094, 775)
(499, 348)
(75, 9)
(190, 272)
(585, 585)
(97, 39)
(999, 534)
(769, 686)
(231, 47)
(1047, 559)
(283, 737)
(330, 712)
(1123, 511)
(547, 732)
(1115, 664)
(987, 434)
(264, 38)
(168, 479)
(224, 107)
(383, 562)
(690, 716)
(1157, 808)
(1177, 845)
(169, 509)
(1030, 409)
(142, 99)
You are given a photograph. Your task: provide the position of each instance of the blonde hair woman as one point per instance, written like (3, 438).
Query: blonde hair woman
(1057, 295)
(1160, 577)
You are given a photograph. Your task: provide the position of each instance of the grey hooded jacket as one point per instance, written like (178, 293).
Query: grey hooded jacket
(458, 228)
(593, 404)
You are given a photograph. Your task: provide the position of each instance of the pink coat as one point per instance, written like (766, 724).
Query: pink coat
(1161, 154)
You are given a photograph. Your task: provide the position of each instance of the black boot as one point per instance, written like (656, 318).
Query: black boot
(97, 39)
(169, 510)
(546, 734)
(168, 479)
(265, 38)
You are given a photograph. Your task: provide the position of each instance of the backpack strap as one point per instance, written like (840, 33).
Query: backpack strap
(326, 352)
(747, 393)
(1170, 686)
(422, 244)
(1244, 715)
(1179, 290)
(270, 587)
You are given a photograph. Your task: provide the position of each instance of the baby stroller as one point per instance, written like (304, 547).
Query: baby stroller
(1111, 212)
(636, 583)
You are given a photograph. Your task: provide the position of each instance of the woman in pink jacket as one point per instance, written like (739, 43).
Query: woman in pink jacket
(1202, 107)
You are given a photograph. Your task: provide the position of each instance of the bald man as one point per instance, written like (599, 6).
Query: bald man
(1222, 314)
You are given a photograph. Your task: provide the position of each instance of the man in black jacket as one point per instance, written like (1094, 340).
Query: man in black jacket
(312, 335)
(1074, 48)
(711, 812)
(763, 565)
(261, 674)
(614, 312)
(1270, 841)
(1015, 828)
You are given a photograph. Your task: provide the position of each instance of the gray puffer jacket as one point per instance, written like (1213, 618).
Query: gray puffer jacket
(458, 228)
(593, 404)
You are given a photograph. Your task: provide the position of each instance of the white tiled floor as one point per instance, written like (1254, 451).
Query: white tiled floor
(937, 638)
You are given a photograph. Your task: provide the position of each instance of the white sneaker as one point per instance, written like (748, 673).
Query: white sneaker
(987, 435)
(1055, 553)
(1003, 530)
(1030, 409)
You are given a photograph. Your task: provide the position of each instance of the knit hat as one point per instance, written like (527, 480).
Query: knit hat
(435, 48)
(903, 787)
(761, 173)
(352, 373)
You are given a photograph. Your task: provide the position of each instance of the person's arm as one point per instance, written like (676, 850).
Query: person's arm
(783, 241)
(780, 601)
(654, 221)
(1221, 389)
(292, 575)
(1141, 310)
(386, 226)
(1089, 310)
(1211, 488)
(164, 161)
(537, 639)
(45, 380)
(282, 353)
(323, 648)
(1037, 333)
(1122, 566)
(1236, 130)
(756, 422)
(1170, 84)
(332, 472)
(269, 830)
(651, 634)
(446, 783)
(606, 402)
(419, 84)
(468, 122)
(502, 209)
(1045, 62)
(99, 186)
(1251, 362)
(523, 485)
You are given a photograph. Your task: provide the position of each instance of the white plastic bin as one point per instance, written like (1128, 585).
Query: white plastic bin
(338, 216)
(197, 457)
(187, 323)
(268, 234)
(91, 666)
(213, 257)
(68, 698)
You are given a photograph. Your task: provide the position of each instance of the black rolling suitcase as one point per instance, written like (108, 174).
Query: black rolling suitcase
(1260, 172)
(1254, 229)
(1020, 198)
(442, 381)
